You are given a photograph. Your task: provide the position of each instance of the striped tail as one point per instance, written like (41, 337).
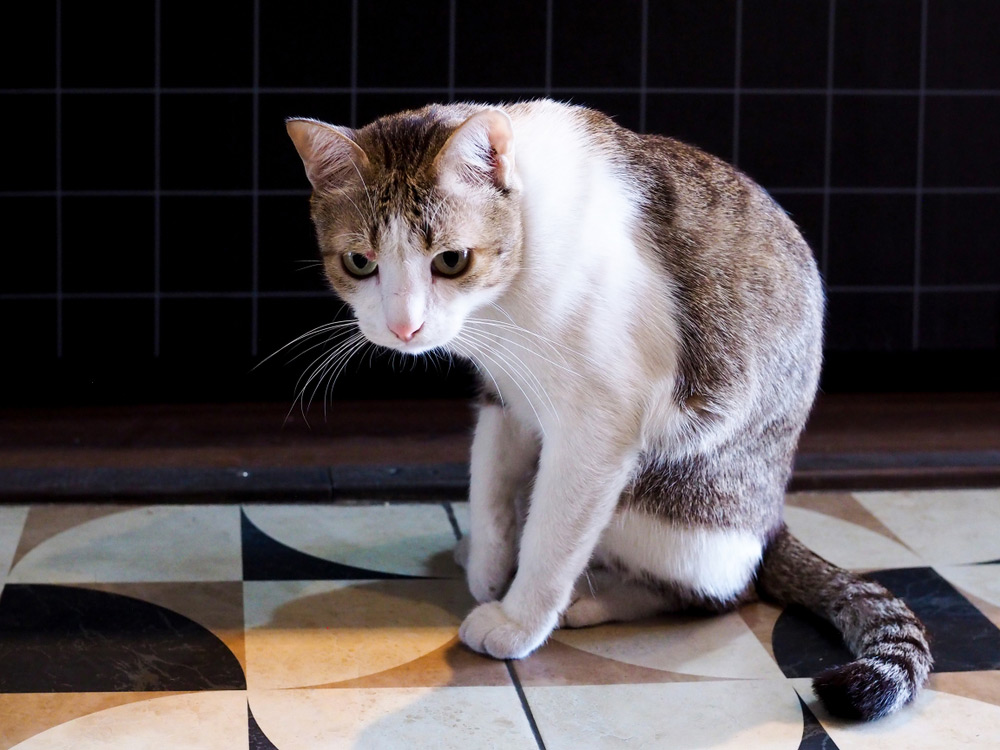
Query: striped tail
(889, 642)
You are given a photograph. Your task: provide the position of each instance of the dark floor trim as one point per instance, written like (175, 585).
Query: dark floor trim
(446, 482)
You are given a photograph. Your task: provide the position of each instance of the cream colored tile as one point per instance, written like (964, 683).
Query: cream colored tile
(981, 580)
(934, 721)
(727, 715)
(180, 543)
(379, 718)
(722, 646)
(943, 527)
(411, 539)
(215, 720)
(12, 520)
(846, 544)
(311, 633)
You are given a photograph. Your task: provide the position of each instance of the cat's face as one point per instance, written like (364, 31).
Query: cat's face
(418, 223)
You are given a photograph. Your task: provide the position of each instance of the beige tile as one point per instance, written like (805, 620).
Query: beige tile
(12, 518)
(180, 543)
(214, 720)
(713, 646)
(557, 664)
(310, 633)
(936, 720)
(943, 527)
(46, 521)
(980, 686)
(846, 544)
(412, 539)
(376, 719)
(842, 505)
(28, 714)
(722, 715)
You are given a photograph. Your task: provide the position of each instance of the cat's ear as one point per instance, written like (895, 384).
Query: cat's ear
(329, 153)
(480, 150)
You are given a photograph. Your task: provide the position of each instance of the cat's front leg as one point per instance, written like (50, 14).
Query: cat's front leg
(502, 464)
(574, 497)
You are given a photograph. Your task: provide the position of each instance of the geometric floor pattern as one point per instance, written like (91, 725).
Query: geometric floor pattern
(335, 626)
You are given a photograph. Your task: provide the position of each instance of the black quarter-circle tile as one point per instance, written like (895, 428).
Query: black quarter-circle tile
(62, 639)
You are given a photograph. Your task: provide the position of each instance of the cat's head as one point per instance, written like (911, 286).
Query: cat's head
(417, 217)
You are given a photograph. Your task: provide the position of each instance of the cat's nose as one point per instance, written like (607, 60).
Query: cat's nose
(405, 330)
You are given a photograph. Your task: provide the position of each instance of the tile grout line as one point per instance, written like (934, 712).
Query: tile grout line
(450, 512)
(737, 78)
(919, 191)
(157, 167)
(59, 183)
(828, 145)
(354, 63)
(255, 188)
(452, 31)
(549, 19)
(524, 703)
(643, 65)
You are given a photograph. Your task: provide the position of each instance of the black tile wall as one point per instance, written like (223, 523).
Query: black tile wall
(29, 158)
(156, 213)
(28, 259)
(577, 62)
(107, 141)
(108, 44)
(204, 243)
(305, 45)
(500, 44)
(107, 244)
(707, 56)
(871, 240)
(784, 43)
(877, 44)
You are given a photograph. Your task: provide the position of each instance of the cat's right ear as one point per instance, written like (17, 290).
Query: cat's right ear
(480, 150)
(329, 153)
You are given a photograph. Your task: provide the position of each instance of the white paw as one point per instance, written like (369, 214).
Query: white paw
(489, 630)
(583, 613)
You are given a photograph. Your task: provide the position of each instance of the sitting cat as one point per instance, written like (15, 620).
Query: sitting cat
(647, 325)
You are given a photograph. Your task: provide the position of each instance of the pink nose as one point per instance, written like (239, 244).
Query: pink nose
(405, 330)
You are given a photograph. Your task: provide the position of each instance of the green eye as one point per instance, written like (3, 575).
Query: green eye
(451, 262)
(359, 265)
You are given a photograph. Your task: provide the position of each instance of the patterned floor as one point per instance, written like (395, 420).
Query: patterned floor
(276, 626)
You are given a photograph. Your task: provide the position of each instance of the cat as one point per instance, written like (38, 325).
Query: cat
(647, 326)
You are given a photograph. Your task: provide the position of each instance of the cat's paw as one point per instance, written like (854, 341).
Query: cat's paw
(489, 630)
(584, 612)
(462, 553)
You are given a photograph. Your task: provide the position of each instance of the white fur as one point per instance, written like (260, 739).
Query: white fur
(714, 562)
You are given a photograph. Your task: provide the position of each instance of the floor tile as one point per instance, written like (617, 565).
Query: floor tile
(410, 539)
(316, 633)
(181, 543)
(935, 720)
(944, 527)
(720, 715)
(847, 544)
(722, 646)
(194, 721)
(361, 719)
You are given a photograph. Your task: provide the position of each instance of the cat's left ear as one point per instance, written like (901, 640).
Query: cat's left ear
(480, 150)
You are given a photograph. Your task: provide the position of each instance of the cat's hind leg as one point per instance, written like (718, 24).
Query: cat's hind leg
(602, 595)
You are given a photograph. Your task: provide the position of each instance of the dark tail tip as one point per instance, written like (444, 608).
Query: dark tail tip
(860, 691)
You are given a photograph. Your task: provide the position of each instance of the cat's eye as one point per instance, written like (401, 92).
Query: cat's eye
(359, 265)
(451, 262)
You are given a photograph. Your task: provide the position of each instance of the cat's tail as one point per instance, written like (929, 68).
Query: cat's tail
(889, 642)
